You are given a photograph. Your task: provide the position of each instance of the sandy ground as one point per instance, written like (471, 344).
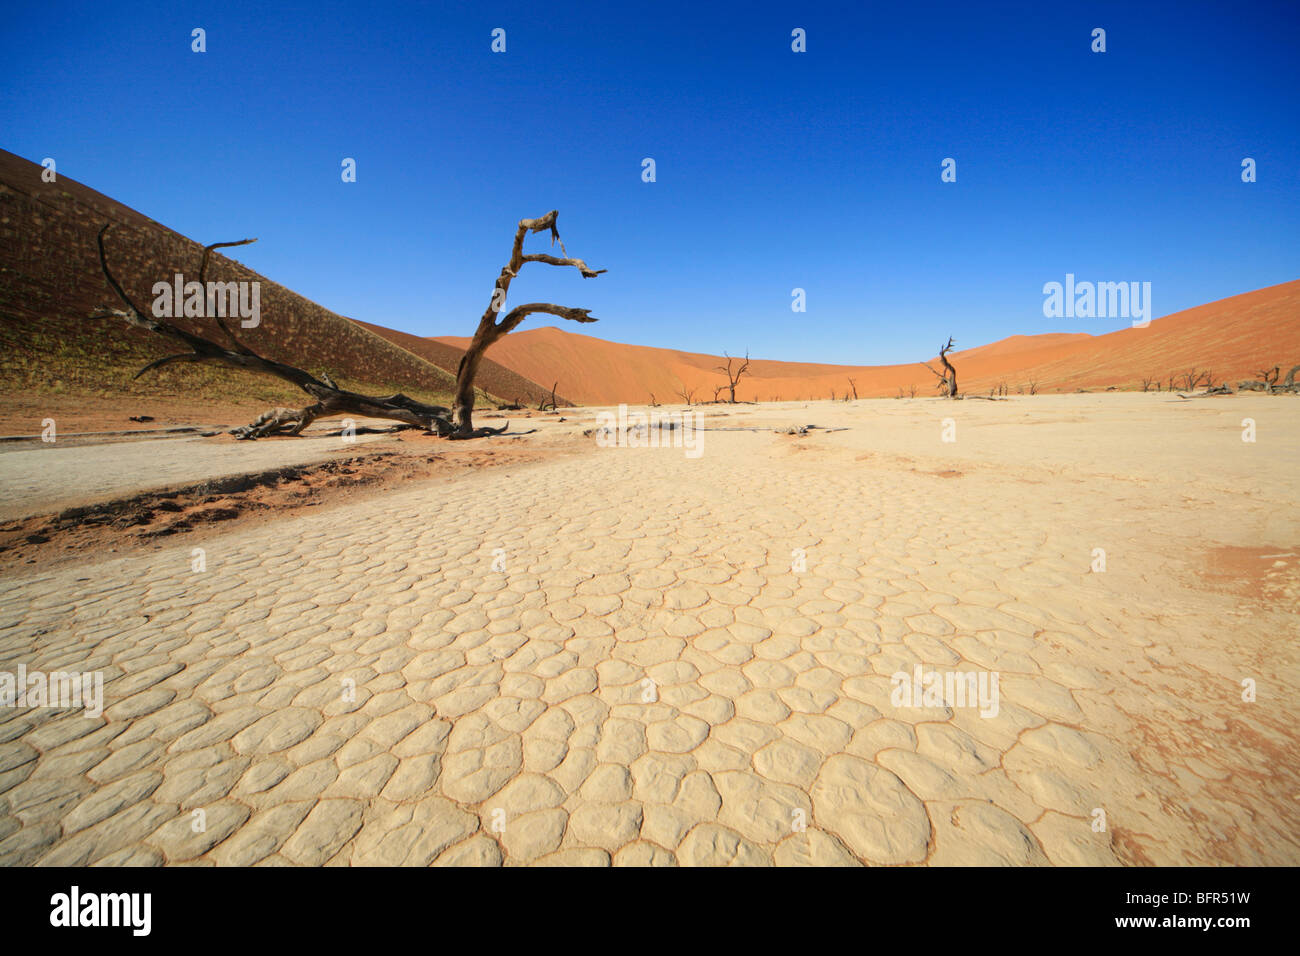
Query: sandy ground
(638, 657)
(39, 478)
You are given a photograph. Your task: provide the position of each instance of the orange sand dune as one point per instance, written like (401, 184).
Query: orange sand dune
(1232, 337)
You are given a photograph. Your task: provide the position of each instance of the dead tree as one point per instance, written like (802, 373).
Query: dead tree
(687, 395)
(717, 389)
(546, 403)
(1268, 381)
(1192, 379)
(732, 378)
(331, 400)
(854, 385)
(1033, 387)
(490, 328)
(948, 380)
(1146, 383)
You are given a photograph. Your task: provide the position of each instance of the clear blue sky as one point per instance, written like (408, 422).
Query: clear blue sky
(819, 170)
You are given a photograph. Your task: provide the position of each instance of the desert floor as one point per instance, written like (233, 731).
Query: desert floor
(632, 656)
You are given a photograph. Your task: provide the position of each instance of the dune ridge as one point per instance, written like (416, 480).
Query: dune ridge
(1232, 337)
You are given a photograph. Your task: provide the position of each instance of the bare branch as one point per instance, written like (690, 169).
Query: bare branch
(331, 400)
(521, 312)
(586, 270)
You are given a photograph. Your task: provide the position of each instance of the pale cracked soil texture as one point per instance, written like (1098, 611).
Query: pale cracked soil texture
(630, 656)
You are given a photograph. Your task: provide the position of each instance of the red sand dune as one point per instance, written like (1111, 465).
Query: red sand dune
(1233, 338)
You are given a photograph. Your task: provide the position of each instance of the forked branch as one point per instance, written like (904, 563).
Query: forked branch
(732, 377)
(330, 399)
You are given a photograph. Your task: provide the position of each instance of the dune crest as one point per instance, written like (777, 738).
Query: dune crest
(1233, 337)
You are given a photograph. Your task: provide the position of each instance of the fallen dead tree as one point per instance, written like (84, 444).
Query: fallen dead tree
(1268, 382)
(331, 400)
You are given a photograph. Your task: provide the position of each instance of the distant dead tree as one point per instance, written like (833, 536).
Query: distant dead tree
(331, 400)
(1268, 381)
(717, 390)
(733, 377)
(948, 380)
(832, 394)
(854, 385)
(653, 403)
(546, 403)
(1146, 383)
(687, 395)
(1191, 379)
(1033, 387)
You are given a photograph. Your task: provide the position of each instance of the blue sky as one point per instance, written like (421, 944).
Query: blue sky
(775, 169)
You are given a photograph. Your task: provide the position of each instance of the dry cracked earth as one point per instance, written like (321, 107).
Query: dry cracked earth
(633, 657)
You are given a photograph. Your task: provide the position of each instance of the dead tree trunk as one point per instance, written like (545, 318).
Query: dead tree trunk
(330, 399)
(948, 380)
(732, 379)
(490, 328)
(952, 372)
(546, 403)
